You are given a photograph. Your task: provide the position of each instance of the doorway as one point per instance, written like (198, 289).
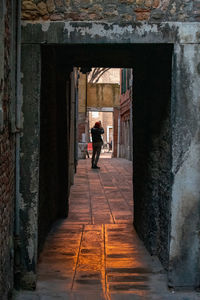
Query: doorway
(151, 66)
(151, 115)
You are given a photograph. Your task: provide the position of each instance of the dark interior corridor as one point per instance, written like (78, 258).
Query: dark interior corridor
(151, 66)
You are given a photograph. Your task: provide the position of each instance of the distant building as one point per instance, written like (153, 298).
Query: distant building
(125, 121)
(99, 101)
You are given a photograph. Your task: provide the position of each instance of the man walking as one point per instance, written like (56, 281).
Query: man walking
(97, 143)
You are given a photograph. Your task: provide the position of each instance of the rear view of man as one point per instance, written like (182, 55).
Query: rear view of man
(97, 143)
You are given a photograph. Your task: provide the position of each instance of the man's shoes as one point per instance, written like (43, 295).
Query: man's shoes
(95, 167)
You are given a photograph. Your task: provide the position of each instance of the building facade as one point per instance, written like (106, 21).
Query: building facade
(100, 98)
(126, 126)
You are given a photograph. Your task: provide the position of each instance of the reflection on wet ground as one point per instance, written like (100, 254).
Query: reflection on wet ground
(95, 253)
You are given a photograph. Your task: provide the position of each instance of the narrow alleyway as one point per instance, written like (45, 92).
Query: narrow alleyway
(95, 253)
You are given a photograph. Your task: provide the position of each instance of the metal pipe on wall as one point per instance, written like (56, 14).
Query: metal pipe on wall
(18, 114)
(17, 145)
(76, 120)
(2, 30)
(118, 139)
(86, 110)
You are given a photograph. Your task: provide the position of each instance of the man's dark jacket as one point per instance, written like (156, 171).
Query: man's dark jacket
(96, 134)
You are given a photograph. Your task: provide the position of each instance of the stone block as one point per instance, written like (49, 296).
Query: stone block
(50, 5)
(157, 15)
(142, 14)
(29, 5)
(29, 15)
(127, 1)
(74, 16)
(56, 17)
(139, 2)
(156, 3)
(127, 17)
(59, 3)
(42, 8)
(148, 3)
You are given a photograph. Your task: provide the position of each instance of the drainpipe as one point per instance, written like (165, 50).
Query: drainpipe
(131, 116)
(17, 149)
(76, 119)
(86, 110)
(2, 29)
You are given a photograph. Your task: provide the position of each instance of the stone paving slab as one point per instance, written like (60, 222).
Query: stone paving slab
(95, 254)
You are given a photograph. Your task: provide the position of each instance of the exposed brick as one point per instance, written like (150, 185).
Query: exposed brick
(56, 17)
(142, 14)
(118, 10)
(148, 3)
(42, 8)
(50, 6)
(156, 3)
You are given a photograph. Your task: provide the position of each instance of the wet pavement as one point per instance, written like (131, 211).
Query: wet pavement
(95, 253)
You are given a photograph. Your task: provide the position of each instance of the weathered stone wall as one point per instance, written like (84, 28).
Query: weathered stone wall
(115, 10)
(184, 243)
(152, 152)
(7, 148)
(29, 164)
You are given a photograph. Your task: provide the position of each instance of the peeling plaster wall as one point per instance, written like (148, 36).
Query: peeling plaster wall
(185, 222)
(29, 152)
(152, 151)
(101, 33)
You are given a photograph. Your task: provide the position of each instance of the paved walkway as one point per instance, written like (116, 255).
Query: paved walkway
(95, 254)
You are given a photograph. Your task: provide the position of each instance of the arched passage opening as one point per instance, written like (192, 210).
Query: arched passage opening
(151, 66)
